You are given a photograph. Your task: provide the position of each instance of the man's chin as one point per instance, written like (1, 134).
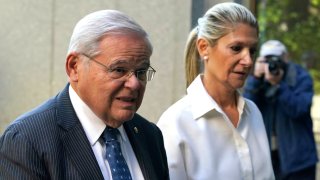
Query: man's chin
(126, 114)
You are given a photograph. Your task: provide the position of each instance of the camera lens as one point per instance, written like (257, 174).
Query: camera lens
(275, 64)
(274, 68)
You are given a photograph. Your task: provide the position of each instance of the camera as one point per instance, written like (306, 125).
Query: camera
(275, 64)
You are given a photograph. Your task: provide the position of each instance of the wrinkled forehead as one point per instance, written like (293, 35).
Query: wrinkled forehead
(126, 43)
(130, 34)
(125, 48)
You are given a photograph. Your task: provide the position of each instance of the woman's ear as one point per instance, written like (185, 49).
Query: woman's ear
(203, 46)
(72, 65)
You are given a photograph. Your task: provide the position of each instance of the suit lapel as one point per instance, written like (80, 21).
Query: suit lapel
(137, 139)
(81, 154)
(74, 140)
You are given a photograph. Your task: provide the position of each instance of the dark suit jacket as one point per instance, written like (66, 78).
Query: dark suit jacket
(50, 143)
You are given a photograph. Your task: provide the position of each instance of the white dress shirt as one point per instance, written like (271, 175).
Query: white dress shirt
(202, 144)
(94, 127)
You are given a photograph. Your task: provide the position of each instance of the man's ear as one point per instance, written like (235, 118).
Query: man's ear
(72, 65)
(202, 46)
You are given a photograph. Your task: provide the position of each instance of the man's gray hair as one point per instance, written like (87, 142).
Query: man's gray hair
(91, 29)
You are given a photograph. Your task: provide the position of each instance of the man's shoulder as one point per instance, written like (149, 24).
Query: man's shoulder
(35, 122)
(297, 67)
(40, 118)
(296, 71)
(43, 108)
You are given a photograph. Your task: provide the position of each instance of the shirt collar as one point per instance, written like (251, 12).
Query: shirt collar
(91, 123)
(202, 102)
(123, 133)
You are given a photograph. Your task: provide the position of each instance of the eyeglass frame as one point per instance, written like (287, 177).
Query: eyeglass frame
(129, 73)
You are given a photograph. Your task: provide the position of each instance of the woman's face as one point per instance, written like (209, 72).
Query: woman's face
(231, 58)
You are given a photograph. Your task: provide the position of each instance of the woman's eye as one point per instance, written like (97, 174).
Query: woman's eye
(236, 48)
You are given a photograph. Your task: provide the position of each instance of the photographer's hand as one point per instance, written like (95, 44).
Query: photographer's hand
(259, 67)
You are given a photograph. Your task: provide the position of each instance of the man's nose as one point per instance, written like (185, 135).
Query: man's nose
(132, 81)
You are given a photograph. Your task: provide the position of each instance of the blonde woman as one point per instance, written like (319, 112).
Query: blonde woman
(213, 132)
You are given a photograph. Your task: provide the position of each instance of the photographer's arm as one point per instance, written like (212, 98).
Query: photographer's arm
(253, 89)
(254, 85)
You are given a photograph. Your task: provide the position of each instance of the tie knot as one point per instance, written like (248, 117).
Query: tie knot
(110, 134)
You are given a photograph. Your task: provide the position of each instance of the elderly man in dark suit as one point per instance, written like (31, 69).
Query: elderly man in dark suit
(90, 130)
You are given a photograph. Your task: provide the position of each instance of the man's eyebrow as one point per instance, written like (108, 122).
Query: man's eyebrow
(129, 62)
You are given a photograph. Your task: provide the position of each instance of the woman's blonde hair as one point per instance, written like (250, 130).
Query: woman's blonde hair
(217, 22)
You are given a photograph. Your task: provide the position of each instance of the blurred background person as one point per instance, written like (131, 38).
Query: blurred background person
(283, 92)
(213, 132)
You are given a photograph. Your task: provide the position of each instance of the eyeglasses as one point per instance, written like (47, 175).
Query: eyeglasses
(121, 72)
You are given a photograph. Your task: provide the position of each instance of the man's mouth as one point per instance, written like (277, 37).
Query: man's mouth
(127, 99)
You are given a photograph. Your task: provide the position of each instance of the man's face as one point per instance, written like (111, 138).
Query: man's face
(114, 100)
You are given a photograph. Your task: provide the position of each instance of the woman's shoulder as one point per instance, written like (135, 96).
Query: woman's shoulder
(251, 106)
(180, 108)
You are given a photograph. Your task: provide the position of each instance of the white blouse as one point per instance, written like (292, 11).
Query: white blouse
(202, 144)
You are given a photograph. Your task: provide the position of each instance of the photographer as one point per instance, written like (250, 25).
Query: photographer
(283, 92)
